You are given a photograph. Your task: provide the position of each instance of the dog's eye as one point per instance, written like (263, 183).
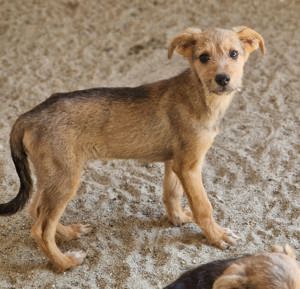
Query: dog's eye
(234, 54)
(204, 58)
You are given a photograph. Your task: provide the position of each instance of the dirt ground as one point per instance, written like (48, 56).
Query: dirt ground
(252, 172)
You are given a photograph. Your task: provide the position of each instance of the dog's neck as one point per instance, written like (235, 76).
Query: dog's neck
(213, 105)
(186, 88)
(218, 104)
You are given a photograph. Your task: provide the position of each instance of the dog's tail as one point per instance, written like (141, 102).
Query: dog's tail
(20, 160)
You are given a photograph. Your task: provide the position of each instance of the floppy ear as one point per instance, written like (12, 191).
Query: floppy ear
(287, 250)
(183, 43)
(229, 282)
(250, 38)
(234, 277)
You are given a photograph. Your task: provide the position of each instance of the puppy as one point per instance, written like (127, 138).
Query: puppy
(173, 121)
(277, 270)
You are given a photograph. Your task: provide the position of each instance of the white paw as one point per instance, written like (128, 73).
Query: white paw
(77, 256)
(230, 237)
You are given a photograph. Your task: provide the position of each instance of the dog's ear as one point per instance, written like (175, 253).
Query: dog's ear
(183, 43)
(287, 250)
(229, 282)
(234, 277)
(250, 39)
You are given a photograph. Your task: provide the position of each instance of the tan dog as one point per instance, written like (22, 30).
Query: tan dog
(173, 121)
(277, 270)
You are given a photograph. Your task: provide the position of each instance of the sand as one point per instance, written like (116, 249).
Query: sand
(252, 172)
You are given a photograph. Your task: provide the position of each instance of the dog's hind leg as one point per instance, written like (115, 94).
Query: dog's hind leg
(33, 206)
(65, 232)
(60, 188)
(173, 193)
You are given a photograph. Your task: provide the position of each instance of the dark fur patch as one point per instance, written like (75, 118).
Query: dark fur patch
(202, 277)
(111, 94)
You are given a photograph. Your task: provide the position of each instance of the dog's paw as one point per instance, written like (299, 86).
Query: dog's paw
(76, 257)
(220, 237)
(69, 260)
(228, 239)
(78, 230)
(232, 237)
(74, 231)
(181, 217)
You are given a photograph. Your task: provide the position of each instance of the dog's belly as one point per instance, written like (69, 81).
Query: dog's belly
(143, 150)
(144, 137)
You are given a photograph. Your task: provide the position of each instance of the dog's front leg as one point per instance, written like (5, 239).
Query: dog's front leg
(173, 192)
(188, 169)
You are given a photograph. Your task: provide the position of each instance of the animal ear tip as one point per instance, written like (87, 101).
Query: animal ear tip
(193, 30)
(171, 49)
(286, 249)
(263, 49)
(276, 248)
(289, 251)
(239, 28)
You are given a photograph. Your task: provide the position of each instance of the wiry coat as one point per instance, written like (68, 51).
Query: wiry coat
(173, 121)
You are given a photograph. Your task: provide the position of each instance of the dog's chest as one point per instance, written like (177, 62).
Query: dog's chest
(216, 108)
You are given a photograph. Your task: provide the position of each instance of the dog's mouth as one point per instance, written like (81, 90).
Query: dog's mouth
(223, 90)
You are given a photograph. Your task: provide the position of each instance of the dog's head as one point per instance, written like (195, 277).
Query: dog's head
(217, 56)
(278, 270)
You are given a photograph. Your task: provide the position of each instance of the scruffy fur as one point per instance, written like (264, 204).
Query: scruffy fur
(277, 270)
(173, 121)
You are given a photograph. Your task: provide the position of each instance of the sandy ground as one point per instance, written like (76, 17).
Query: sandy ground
(252, 173)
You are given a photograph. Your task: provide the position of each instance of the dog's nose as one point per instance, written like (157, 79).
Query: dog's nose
(222, 79)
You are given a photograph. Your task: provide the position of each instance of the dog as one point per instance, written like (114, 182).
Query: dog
(276, 270)
(173, 121)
